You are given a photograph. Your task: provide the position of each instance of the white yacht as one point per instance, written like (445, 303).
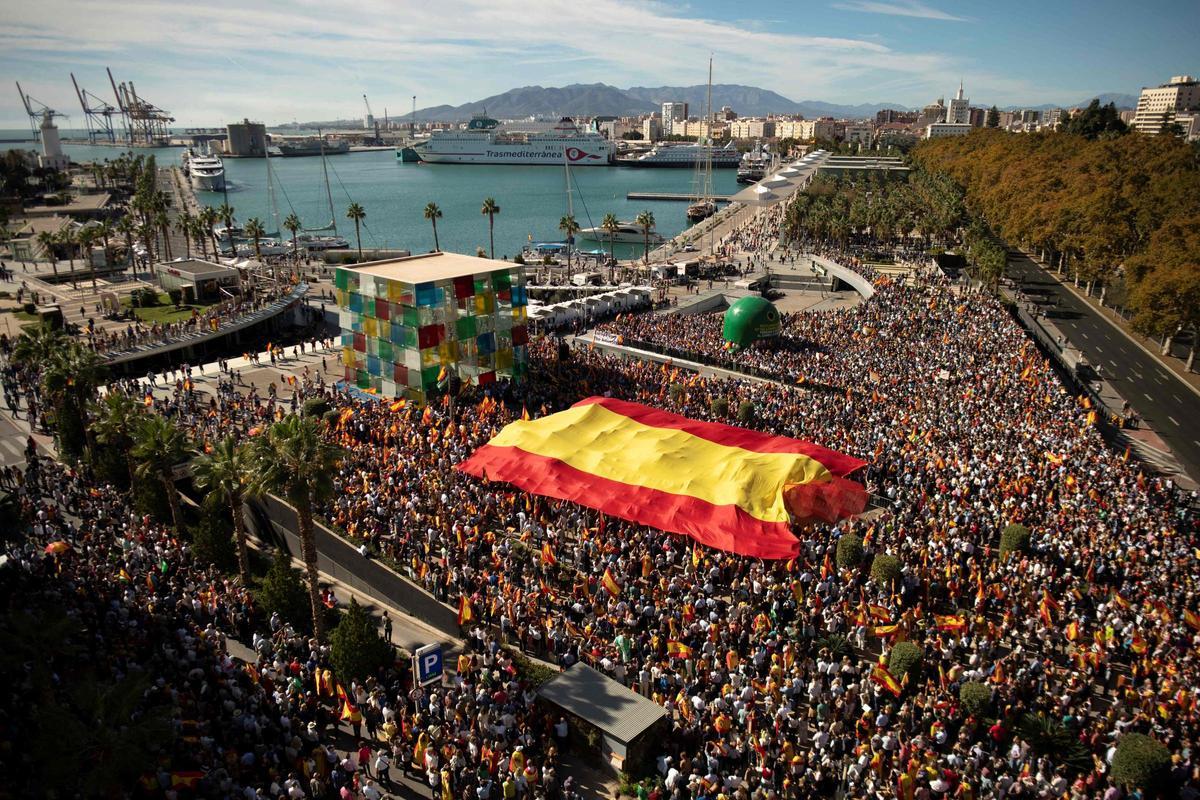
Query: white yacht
(626, 233)
(309, 242)
(685, 155)
(205, 170)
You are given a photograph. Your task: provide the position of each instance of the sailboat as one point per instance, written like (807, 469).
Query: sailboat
(703, 206)
(307, 240)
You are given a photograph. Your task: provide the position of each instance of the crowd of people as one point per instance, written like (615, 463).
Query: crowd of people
(771, 680)
(139, 334)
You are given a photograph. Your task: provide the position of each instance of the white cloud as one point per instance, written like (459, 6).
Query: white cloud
(898, 8)
(309, 59)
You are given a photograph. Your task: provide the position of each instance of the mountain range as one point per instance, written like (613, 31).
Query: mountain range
(600, 99)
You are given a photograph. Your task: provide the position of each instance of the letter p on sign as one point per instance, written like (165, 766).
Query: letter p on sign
(427, 664)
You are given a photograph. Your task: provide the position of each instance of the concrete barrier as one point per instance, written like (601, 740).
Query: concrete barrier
(276, 523)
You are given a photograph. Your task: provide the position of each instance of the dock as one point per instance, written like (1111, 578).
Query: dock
(720, 198)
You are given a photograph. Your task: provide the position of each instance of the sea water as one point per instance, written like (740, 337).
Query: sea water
(532, 199)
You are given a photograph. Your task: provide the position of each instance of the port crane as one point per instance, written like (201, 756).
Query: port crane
(36, 110)
(145, 123)
(97, 113)
(371, 118)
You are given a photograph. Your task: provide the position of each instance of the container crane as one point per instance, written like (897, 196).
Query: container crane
(36, 110)
(369, 120)
(97, 113)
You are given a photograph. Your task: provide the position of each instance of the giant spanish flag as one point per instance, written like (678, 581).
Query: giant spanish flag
(729, 488)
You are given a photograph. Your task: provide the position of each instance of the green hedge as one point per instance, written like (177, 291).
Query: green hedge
(1140, 761)
(885, 569)
(904, 659)
(975, 697)
(1014, 539)
(849, 551)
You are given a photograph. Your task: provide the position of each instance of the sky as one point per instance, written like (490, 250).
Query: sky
(215, 61)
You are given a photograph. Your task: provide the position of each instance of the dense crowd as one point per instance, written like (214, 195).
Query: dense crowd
(966, 429)
(139, 334)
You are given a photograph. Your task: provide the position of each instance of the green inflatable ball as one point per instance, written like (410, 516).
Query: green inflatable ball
(749, 319)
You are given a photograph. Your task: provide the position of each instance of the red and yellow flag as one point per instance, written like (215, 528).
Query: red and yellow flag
(950, 622)
(548, 555)
(1192, 619)
(610, 584)
(1073, 631)
(881, 676)
(465, 612)
(732, 489)
(678, 650)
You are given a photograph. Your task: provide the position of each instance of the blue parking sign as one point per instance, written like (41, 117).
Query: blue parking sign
(427, 664)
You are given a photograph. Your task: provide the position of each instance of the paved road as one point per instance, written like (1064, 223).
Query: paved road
(1166, 404)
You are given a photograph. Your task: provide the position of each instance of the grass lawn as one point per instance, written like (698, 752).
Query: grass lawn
(164, 311)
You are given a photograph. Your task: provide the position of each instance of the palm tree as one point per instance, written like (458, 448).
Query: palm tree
(569, 227)
(114, 420)
(162, 223)
(197, 232)
(104, 232)
(646, 221)
(37, 345)
(125, 227)
(433, 214)
(208, 220)
(66, 237)
(69, 380)
(292, 225)
(225, 212)
(228, 474)
(256, 231)
(490, 210)
(611, 225)
(159, 446)
(183, 225)
(357, 214)
(294, 459)
(87, 240)
(48, 241)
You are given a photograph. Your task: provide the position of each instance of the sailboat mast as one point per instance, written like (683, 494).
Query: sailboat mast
(328, 193)
(708, 123)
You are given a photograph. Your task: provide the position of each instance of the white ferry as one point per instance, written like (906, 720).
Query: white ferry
(205, 170)
(482, 142)
(625, 233)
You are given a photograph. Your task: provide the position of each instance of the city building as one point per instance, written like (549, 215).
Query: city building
(959, 111)
(859, 133)
(934, 112)
(411, 323)
(823, 128)
(789, 128)
(1160, 105)
(887, 116)
(978, 117)
(1030, 117)
(200, 281)
(1006, 119)
(1053, 117)
(694, 129)
(651, 128)
(51, 156)
(246, 138)
(938, 130)
(726, 113)
(673, 111)
(752, 129)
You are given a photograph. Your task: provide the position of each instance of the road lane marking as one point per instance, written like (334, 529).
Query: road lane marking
(1174, 421)
(1148, 397)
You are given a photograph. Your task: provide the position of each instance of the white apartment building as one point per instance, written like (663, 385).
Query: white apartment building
(938, 130)
(752, 129)
(959, 111)
(673, 111)
(1160, 105)
(789, 128)
(823, 128)
(651, 128)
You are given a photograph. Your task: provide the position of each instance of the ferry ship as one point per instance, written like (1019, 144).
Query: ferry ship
(754, 165)
(685, 155)
(482, 142)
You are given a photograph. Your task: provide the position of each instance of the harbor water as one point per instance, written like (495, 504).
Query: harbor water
(532, 199)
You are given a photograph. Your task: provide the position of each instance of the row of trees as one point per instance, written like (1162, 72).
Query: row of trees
(1112, 212)
(877, 209)
(118, 438)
